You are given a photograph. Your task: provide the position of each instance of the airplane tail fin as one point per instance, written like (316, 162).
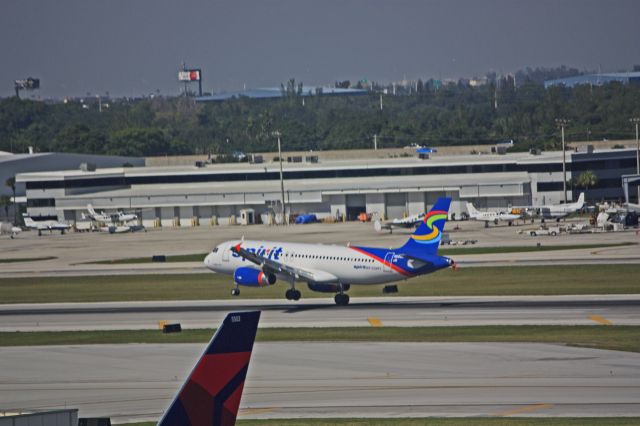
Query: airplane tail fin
(473, 212)
(90, 209)
(581, 199)
(426, 238)
(28, 221)
(211, 394)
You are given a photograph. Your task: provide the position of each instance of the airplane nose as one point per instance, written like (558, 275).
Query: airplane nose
(208, 260)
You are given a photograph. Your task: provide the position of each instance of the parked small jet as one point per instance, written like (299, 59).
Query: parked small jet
(558, 211)
(211, 394)
(96, 216)
(331, 268)
(45, 225)
(119, 217)
(406, 222)
(126, 217)
(489, 216)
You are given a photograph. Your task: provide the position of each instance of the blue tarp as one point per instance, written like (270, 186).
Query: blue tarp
(306, 218)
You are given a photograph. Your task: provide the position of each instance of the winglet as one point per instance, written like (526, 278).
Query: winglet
(211, 395)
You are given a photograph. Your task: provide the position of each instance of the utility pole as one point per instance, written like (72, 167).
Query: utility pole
(635, 121)
(380, 101)
(375, 141)
(562, 122)
(278, 134)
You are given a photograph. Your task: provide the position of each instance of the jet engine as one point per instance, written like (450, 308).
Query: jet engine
(327, 288)
(253, 277)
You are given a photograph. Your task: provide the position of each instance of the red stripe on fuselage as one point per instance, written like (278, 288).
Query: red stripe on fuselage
(389, 264)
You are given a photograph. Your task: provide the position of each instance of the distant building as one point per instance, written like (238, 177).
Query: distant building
(595, 79)
(12, 164)
(276, 92)
(391, 187)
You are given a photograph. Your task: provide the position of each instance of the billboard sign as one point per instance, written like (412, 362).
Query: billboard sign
(189, 75)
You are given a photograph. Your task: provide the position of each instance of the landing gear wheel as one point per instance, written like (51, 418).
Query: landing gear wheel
(292, 294)
(341, 299)
(235, 292)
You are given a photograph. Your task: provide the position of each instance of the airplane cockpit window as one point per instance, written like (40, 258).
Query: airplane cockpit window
(215, 250)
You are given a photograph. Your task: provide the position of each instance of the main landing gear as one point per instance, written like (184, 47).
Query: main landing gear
(292, 294)
(342, 299)
(235, 291)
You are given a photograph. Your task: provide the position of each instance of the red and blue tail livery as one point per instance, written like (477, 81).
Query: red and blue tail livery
(211, 395)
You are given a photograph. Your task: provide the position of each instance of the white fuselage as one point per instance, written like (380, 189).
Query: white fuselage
(329, 263)
(494, 216)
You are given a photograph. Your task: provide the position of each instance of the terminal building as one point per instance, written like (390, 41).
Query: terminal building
(220, 194)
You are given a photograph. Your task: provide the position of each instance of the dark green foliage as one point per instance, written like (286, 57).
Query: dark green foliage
(432, 114)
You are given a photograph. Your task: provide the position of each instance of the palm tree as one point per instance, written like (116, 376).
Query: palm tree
(587, 179)
(11, 183)
(5, 201)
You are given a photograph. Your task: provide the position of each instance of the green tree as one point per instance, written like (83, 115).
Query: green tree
(138, 142)
(5, 201)
(11, 183)
(587, 179)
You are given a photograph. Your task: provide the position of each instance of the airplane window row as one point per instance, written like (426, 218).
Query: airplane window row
(348, 259)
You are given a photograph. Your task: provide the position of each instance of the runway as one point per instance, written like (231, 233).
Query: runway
(136, 382)
(390, 311)
(75, 254)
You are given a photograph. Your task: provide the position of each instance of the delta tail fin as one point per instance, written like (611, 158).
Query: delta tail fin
(211, 395)
(426, 238)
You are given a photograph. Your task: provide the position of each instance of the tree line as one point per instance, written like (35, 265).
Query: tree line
(428, 113)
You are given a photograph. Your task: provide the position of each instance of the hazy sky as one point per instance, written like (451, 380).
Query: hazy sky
(133, 47)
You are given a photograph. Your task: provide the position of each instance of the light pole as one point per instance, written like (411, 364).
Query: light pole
(277, 134)
(635, 121)
(562, 122)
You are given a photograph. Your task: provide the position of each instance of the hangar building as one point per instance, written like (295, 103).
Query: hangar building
(393, 187)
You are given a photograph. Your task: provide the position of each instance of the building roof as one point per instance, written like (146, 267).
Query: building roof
(594, 79)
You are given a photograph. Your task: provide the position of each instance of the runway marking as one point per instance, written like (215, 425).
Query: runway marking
(249, 411)
(375, 322)
(523, 410)
(162, 323)
(601, 320)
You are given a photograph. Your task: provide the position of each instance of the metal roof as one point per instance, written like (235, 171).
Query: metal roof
(593, 79)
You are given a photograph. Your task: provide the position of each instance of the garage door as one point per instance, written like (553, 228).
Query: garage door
(395, 205)
(356, 204)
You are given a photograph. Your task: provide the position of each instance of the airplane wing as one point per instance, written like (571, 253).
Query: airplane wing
(296, 273)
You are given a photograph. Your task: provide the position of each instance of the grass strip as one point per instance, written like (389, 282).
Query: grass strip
(439, 421)
(27, 259)
(485, 281)
(194, 257)
(446, 251)
(622, 338)
(449, 251)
